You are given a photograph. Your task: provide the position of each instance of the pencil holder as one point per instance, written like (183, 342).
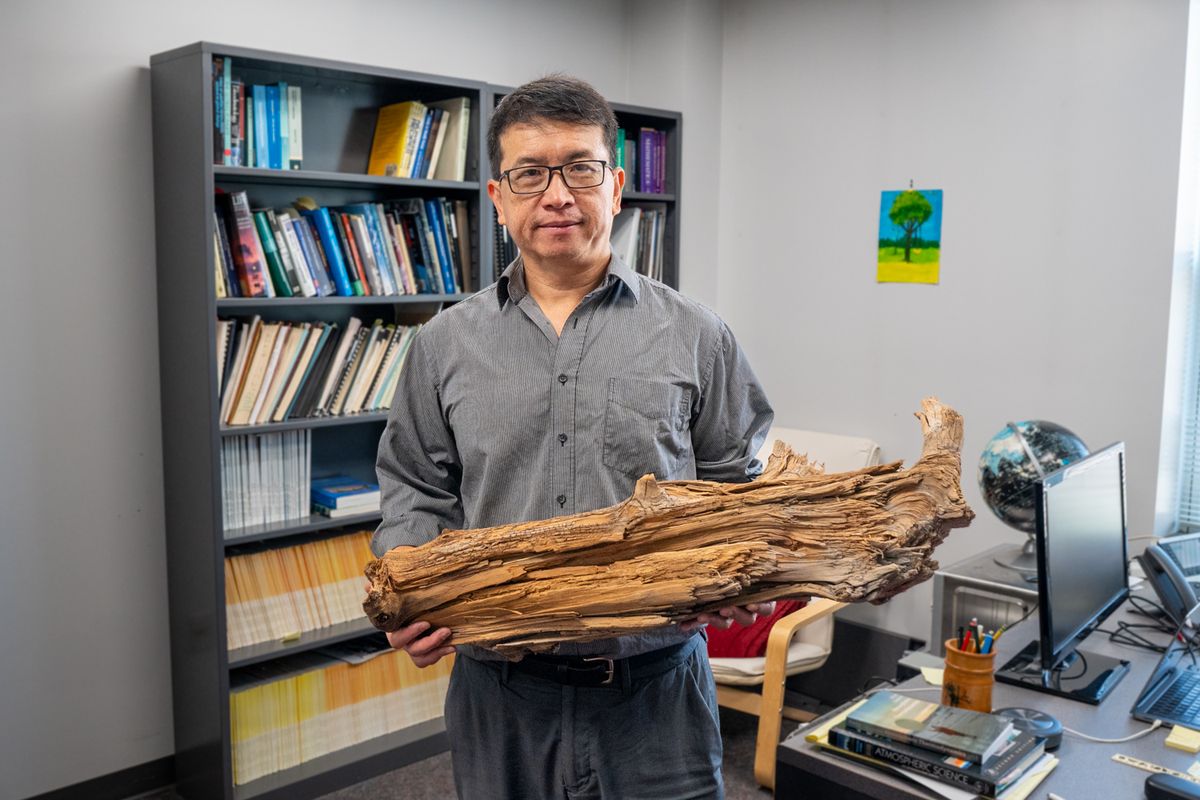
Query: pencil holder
(968, 679)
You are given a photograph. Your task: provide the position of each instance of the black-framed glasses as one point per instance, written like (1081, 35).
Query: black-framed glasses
(535, 178)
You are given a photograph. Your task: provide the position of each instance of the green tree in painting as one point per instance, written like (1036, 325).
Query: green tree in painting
(909, 212)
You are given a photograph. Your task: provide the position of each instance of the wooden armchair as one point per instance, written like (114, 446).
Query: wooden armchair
(799, 642)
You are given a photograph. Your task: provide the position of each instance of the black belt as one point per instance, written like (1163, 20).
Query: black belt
(600, 671)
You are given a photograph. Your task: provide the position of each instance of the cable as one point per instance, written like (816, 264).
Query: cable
(1153, 727)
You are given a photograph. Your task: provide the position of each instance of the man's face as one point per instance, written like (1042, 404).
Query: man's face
(560, 225)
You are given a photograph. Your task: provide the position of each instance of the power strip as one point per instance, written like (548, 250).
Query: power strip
(1148, 767)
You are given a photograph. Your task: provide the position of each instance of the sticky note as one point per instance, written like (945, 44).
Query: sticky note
(1194, 769)
(933, 676)
(1184, 739)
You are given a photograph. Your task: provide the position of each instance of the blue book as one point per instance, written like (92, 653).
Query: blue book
(284, 143)
(433, 209)
(419, 157)
(342, 491)
(333, 249)
(274, 144)
(367, 211)
(261, 159)
(315, 267)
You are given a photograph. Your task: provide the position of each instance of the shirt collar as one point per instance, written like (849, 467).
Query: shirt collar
(511, 285)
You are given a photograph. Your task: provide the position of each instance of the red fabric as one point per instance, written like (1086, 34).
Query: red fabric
(739, 642)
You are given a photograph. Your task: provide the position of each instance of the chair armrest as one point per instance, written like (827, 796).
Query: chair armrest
(784, 629)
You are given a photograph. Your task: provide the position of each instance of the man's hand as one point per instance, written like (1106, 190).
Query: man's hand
(723, 618)
(422, 647)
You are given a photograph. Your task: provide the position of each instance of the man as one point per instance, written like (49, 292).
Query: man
(550, 393)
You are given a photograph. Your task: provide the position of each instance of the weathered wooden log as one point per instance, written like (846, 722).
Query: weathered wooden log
(678, 548)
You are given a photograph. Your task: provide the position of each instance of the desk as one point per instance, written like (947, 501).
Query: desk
(1086, 769)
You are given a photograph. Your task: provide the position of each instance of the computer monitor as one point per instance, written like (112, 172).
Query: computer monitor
(1082, 577)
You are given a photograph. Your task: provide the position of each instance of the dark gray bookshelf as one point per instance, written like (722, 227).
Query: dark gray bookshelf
(340, 101)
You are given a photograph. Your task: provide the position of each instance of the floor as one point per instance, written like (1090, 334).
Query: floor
(431, 779)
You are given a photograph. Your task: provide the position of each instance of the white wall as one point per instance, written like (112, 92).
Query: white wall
(1054, 130)
(85, 678)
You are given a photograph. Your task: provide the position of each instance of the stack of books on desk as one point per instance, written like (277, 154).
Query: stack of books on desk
(981, 754)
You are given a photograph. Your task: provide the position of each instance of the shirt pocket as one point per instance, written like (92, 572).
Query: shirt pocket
(646, 428)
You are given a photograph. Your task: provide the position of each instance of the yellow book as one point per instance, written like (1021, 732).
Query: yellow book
(397, 134)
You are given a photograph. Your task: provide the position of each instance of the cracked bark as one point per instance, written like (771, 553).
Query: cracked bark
(677, 548)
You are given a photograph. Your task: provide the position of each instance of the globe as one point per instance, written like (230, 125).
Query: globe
(1007, 471)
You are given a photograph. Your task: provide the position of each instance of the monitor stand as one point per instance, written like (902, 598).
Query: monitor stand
(1086, 677)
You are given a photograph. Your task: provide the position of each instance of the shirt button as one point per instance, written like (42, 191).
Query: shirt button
(562, 378)
(562, 500)
(562, 438)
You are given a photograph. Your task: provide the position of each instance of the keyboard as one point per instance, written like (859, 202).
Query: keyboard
(1181, 702)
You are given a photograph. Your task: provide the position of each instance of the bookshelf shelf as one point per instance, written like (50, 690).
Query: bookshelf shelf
(279, 530)
(305, 178)
(304, 424)
(242, 304)
(338, 123)
(350, 765)
(648, 197)
(309, 640)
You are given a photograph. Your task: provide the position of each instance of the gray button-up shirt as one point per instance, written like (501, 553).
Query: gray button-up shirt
(497, 419)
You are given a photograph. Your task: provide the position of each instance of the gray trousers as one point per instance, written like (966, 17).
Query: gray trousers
(517, 736)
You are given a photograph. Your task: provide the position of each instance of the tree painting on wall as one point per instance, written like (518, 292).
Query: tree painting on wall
(910, 236)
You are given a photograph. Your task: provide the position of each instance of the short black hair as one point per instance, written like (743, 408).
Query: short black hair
(556, 97)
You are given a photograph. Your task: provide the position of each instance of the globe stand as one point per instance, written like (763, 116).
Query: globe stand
(1024, 563)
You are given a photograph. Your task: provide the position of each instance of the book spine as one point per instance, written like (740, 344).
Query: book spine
(235, 124)
(320, 268)
(408, 229)
(352, 273)
(422, 144)
(295, 136)
(436, 222)
(231, 275)
(285, 151)
(881, 751)
(389, 248)
(619, 155)
(274, 143)
(428, 250)
(299, 258)
(271, 253)
(262, 158)
(362, 237)
(227, 114)
(646, 159)
(364, 285)
(437, 136)
(333, 250)
(247, 250)
(218, 94)
(285, 253)
(660, 161)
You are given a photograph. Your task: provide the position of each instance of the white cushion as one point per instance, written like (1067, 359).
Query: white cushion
(802, 657)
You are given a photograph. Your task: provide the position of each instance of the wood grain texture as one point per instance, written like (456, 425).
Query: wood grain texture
(678, 548)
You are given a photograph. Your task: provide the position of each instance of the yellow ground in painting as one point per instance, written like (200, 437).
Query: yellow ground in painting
(893, 269)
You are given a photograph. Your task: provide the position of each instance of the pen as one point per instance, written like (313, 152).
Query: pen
(1053, 796)
(959, 640)
(987, 644)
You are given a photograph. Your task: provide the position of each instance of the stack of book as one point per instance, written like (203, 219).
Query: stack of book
(274, 371)
(637, 236)
(264, 479)
(291, 710)
(343, 496)
(410, 246)
(276, 595)
(422, 140)
(981, 754)
(255, 125)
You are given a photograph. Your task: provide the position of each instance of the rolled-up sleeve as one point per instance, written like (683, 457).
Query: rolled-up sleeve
(417, 464)
(732, 417)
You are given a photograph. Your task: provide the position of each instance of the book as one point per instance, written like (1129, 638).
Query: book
(1021, 751)
(329, 243)
(452, 161)
(437, 137)
(342, 492)
(971, 735)
(397, 132)
(295, 135)
(245, 246)
(266, 237)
